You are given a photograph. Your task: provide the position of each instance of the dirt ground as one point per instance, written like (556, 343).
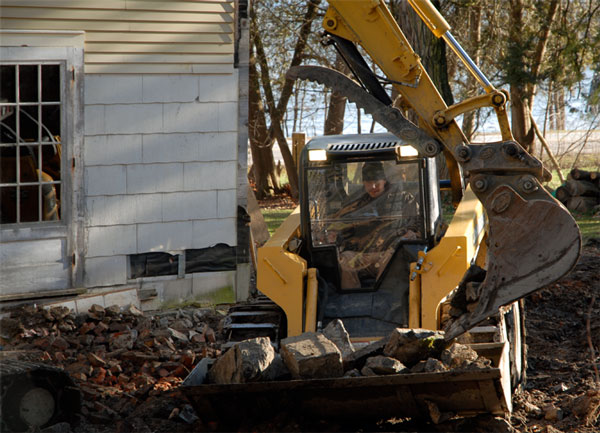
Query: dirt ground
(562, 393)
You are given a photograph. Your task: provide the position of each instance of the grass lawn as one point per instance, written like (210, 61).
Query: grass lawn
(274, 218)
(588, 225)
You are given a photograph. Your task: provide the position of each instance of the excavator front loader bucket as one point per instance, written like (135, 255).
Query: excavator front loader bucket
(532, 241)
(355, 399)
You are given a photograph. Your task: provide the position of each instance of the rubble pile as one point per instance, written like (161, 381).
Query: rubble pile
(119, 357)
(329, 354)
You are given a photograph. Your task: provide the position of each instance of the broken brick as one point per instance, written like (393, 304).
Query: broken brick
(95, 360)
(59, 312)
(133, 310)
(100, 328)
(188, 359)
(44, 343)
(87, 327)
(209, 335)
(96, 312)
(98, 375)
(112, 310)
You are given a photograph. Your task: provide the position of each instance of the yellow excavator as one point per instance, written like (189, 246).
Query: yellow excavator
(391, 261)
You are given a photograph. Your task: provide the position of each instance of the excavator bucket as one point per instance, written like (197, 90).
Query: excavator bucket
(531, 243)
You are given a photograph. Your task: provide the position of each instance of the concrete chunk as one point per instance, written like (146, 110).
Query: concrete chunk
(432, 365)
(357, 359)
(311, 356)
(245, 362)
(458, 355)
(336, 332)
(277, 370)
(385, 365)
(410, 346)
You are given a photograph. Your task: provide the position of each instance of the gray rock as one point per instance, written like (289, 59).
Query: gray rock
(410, 346)
(553, 413)
(352, 373)
(366, 371)
(244, 362)
(61, 427)
(385, 365)
(336, 332)
(311, 356)
(432, 365)
(458, 356)
(122, 340)
(358, 358)
(277, 370)
(178, 335)
(532, 409)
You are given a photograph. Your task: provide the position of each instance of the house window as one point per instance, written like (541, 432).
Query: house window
(31, 108)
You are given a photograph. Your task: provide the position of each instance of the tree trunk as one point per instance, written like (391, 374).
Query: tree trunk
(521, 127)
(523, 90)
(334, 122)
(265, 177)
(559, 108)
(433, 57)
(468, 125)
(431, 49)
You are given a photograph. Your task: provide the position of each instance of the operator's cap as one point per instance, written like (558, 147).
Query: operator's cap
(373, 170)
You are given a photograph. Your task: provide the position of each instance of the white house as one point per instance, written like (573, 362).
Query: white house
(123, 149)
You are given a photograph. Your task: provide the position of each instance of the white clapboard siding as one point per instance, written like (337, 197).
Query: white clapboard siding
(194, 29)
(139, 36)
(153, 5)
(114, 15)
(151, 58)
(158, 37)
(156, 48)
(171, 68)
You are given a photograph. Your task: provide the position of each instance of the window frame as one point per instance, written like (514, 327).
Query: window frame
(20, 112)
(70, 226)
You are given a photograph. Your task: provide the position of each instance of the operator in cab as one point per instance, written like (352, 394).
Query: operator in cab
(377, 220)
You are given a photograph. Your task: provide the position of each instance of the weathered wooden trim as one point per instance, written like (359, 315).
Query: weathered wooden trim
(42, 294)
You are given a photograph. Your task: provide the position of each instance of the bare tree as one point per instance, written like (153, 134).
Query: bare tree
(276, 108)
(263, 169)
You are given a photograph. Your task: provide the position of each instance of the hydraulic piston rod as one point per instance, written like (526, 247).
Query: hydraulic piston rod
(441, 29)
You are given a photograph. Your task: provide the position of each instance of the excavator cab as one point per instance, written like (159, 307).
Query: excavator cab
(369, 204)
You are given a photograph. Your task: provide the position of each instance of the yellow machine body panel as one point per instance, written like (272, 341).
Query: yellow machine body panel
(444, 266)
(281, 273)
